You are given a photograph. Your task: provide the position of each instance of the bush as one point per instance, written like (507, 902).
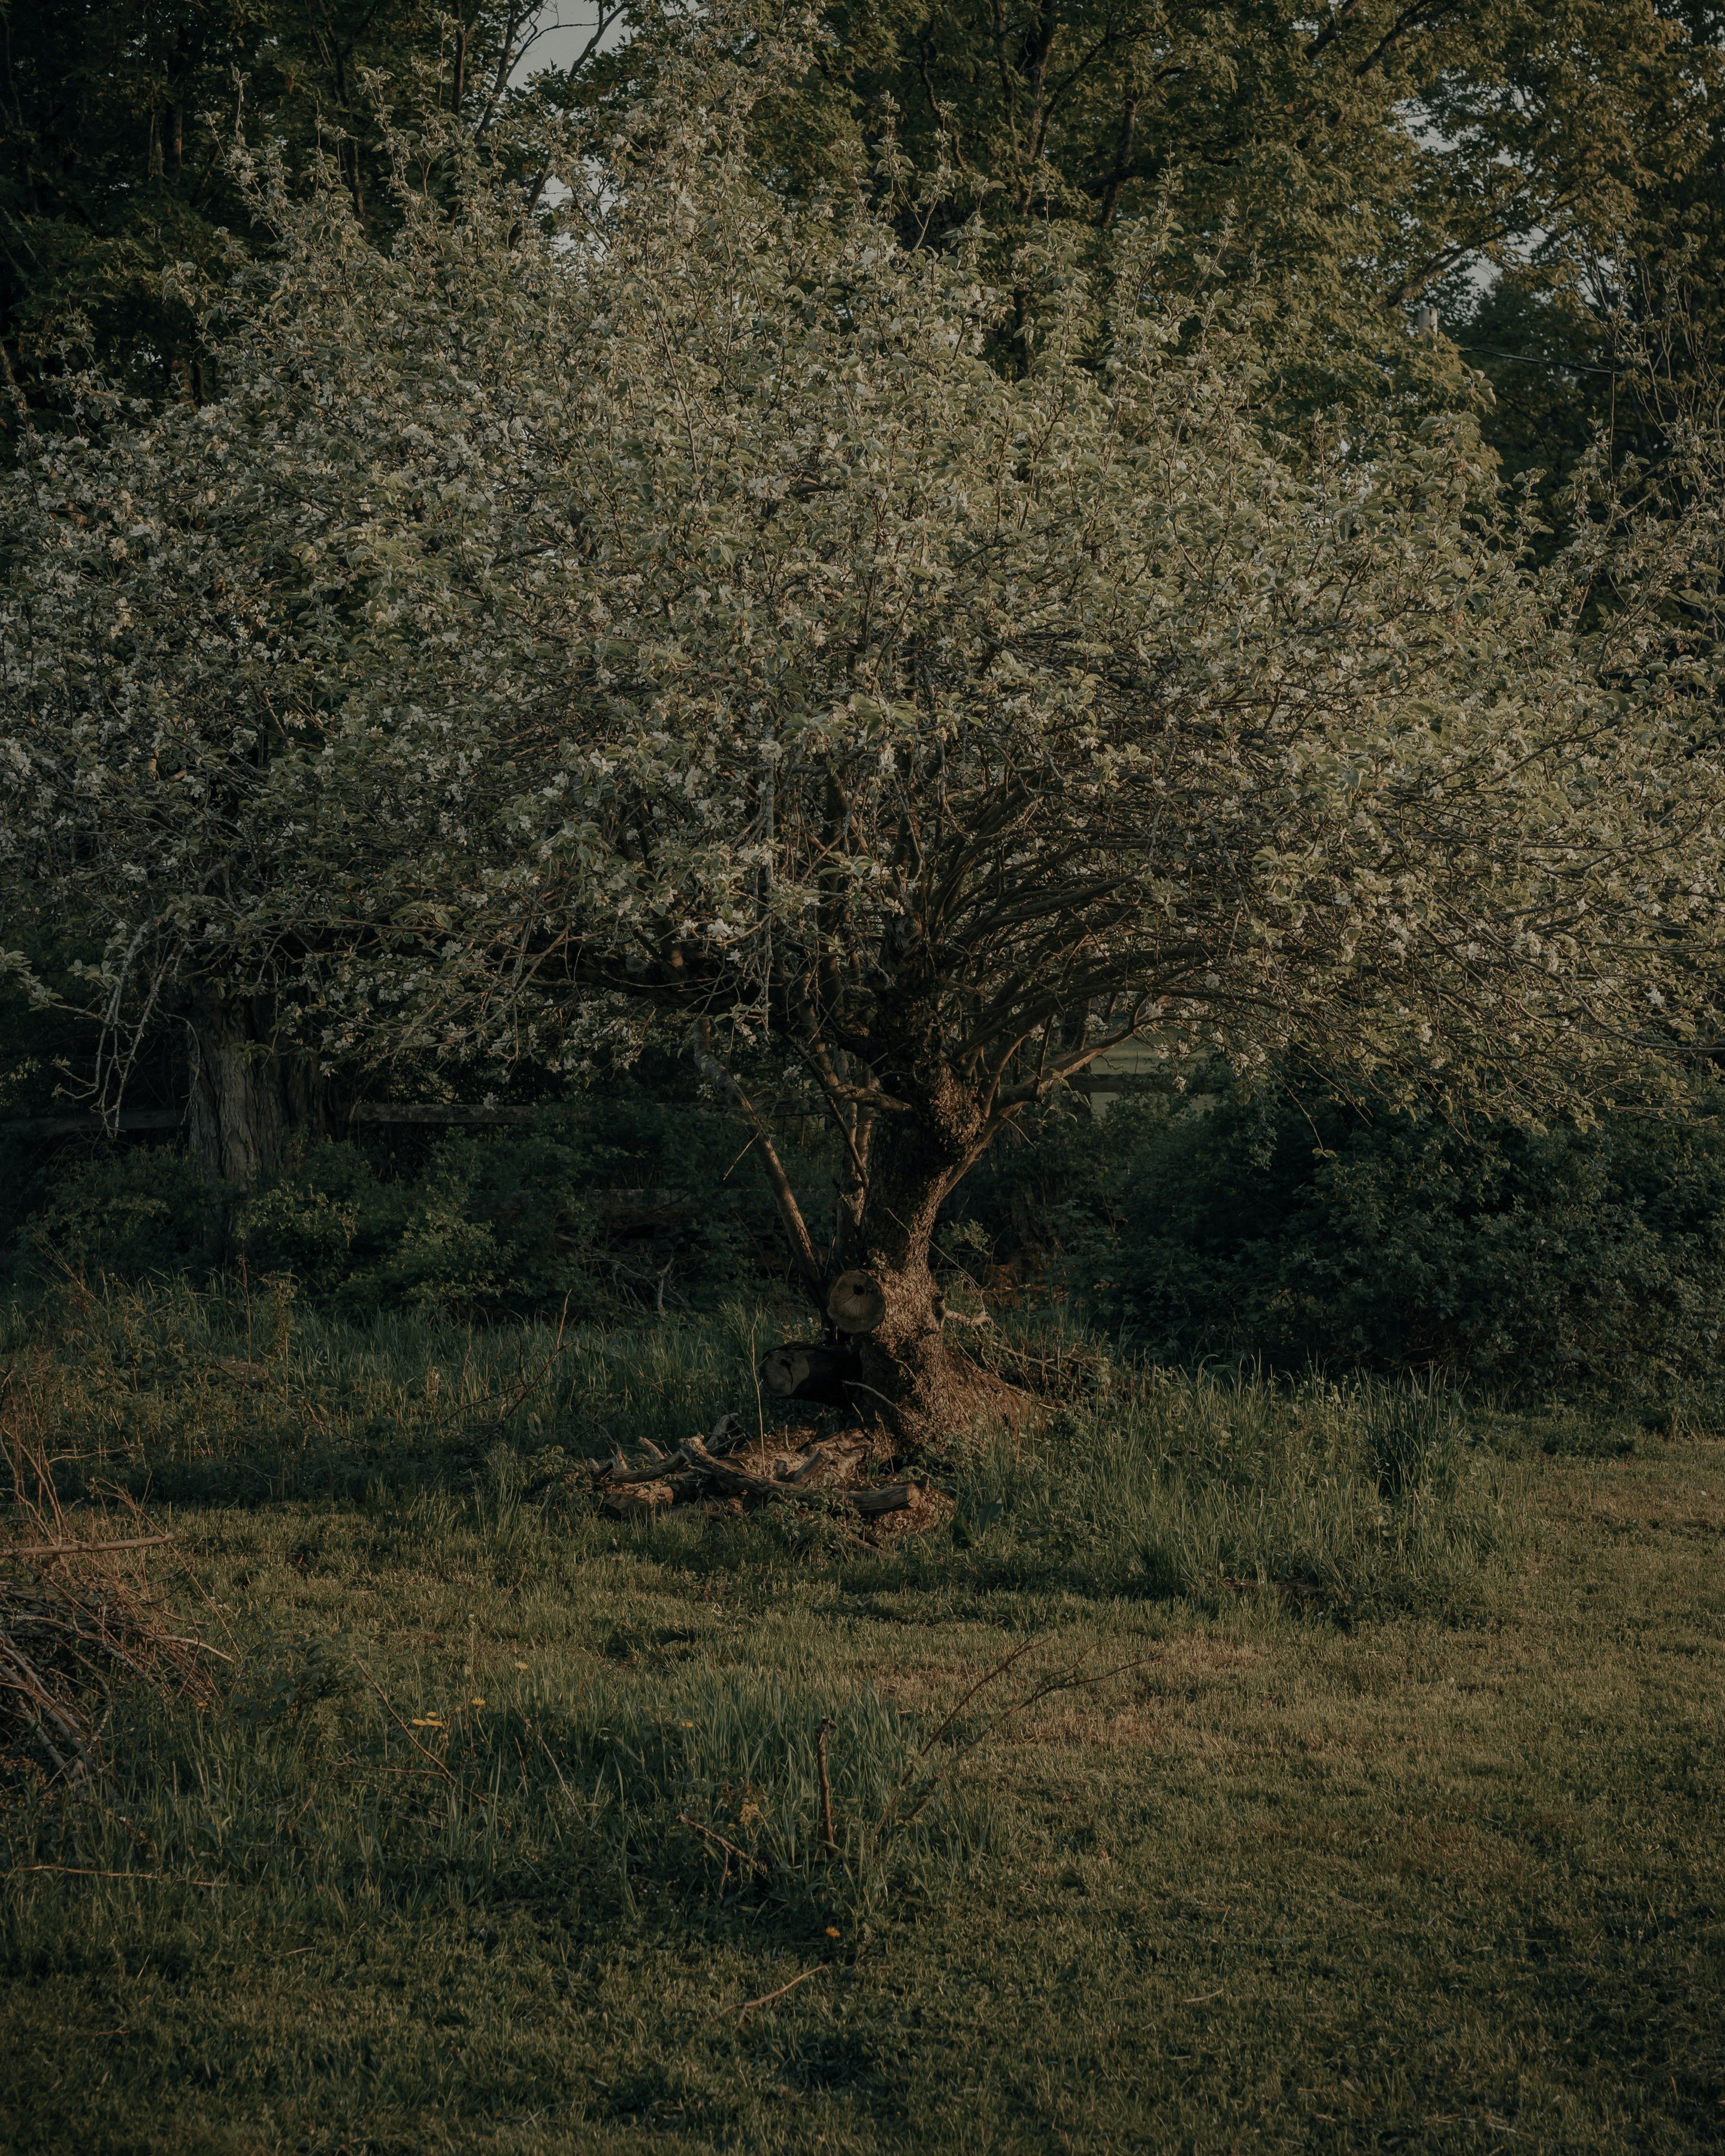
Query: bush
(1321, 1234)
(610, 1203)
(488, 1224)
(132, 1215)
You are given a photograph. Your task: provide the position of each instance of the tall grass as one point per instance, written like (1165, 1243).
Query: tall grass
(329, 1795)
(1346, 1497)
(230, 1392)
(1341, 1496)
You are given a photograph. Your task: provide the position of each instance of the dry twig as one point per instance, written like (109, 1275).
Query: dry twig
(441, 1766)
(767, 1998)
(78, 1614)
(1072, 1678)
(730, 1848)
(822, 1733)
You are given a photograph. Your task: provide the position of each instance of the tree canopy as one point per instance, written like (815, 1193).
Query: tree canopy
(1526, 166)
(1518, 165)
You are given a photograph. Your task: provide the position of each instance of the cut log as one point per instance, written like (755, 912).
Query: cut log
(856, 1302)
(870, 1503)
(808, 1370)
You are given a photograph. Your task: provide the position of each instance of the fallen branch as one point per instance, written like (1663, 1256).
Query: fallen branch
(737, 1480)
(77, 1615)
(872, 1503)
(616, 1477)
(83, 1871)
(695, 1463)
(82, 1549)
(730, 1848)
(824, 1731)
(1070, 1679)
(767, 1998)
(817, 1458)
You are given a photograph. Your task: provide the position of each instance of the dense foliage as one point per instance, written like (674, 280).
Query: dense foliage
(1531, 169)
(644, 676)
(1297, 1228)
(600, 1208)
(1518, 164)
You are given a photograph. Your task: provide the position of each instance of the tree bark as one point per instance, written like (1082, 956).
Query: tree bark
(247, 1097)
(910, 1375)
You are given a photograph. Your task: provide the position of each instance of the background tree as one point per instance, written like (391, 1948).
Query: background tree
(669, 602)
(1503, 161)
(122, 222)
(119, 219)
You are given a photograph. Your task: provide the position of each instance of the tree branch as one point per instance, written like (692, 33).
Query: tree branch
(790, 1211)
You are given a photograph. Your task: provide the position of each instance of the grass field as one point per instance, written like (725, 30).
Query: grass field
(1397, 1825)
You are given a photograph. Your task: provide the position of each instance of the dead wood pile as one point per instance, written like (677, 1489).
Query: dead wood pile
(81, 1619)
(729, 1468)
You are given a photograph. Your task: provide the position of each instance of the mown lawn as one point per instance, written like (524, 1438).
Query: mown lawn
(1320, 1868)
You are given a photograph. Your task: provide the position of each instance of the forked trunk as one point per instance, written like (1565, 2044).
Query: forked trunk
(890, 1306)
(884, 1302)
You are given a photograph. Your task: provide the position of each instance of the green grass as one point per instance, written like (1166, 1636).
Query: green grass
(1399, 1826)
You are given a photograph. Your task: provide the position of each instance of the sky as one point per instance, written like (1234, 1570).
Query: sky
(561, 33)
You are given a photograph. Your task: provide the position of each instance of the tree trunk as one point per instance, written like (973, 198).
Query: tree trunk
(911, 1375)
(914, 1378)
(247, 1097)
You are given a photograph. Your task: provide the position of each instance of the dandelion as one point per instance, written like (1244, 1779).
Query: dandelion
(833, 1930)
(475, 1703)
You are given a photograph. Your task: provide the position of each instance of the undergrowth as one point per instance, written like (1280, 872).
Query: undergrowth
(1345, 1497)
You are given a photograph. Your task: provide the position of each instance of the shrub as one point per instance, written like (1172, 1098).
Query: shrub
(134, 1215)
(487, 1225)
(608, 1203)
(1527, 1261)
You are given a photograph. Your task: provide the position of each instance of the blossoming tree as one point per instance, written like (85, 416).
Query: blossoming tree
(664, 607)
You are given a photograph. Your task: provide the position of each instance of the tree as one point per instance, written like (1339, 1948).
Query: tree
(121, 225)
(664, 610)
(119, 219)
(1367, 156)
